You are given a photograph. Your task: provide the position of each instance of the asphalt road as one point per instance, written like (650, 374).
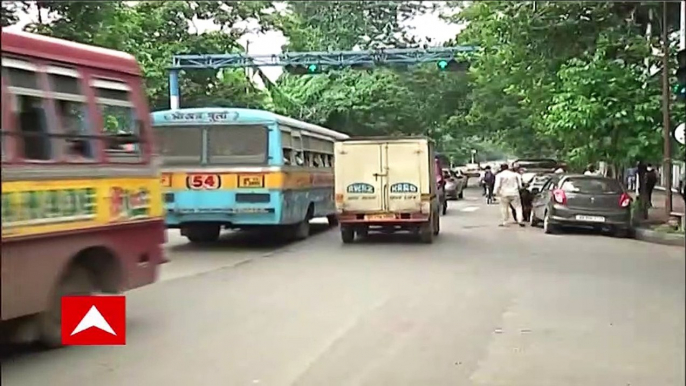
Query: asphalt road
(482, 306)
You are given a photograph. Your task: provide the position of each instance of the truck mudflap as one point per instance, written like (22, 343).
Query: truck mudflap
(386, 218)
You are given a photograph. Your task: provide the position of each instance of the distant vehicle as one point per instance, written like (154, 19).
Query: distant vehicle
(587, 201)
(387, 184)
(244, 169)
(537, 164)
(82, 209)
(471, 170)
(455, 184)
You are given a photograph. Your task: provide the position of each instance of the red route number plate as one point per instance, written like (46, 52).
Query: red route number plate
(203, 181)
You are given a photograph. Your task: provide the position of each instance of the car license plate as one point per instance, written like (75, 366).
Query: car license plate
(375, 217)
(590, 218)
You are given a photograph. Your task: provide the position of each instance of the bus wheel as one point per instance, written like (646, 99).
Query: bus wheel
(203, 234)
(332, 219)
(77, 281)
(347, 235)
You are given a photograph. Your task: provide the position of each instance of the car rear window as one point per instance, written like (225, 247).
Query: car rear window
(592, 185)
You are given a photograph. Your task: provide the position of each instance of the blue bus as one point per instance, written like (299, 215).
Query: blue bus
(231, 168)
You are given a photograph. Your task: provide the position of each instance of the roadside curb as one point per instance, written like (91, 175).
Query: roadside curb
(655, 237)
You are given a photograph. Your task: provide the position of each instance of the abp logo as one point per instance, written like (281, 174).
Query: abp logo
(93, 320)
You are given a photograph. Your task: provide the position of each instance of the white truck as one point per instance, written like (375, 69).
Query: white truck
(387, 184)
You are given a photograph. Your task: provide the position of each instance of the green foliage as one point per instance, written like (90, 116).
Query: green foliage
(565, 79)
(562, 79)
(154, 31)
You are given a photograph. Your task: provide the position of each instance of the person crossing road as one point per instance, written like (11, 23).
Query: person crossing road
(507, 186)
(489, 183)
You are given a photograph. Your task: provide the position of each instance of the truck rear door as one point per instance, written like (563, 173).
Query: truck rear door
(359, 174)
(407, 173)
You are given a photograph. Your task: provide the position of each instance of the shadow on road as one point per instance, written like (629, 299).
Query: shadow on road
(253, 240)
(10, 352)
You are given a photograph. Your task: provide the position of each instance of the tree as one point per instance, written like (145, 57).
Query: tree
(530, 78)
(154, 32)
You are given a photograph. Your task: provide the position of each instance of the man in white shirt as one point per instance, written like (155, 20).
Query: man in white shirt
(507, 186)
(590, 171)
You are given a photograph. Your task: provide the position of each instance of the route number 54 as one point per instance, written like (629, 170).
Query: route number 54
(203, 181)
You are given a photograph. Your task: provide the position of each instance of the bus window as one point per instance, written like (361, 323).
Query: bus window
(28, 104)
(286, 147)
(180, 145)
(237, 144)
(119, 119)
(318, 163)
(72, 111)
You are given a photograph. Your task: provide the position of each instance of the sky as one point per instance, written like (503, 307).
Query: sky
(423, 26)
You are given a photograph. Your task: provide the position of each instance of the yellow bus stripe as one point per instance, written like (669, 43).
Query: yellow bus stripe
(232, 181)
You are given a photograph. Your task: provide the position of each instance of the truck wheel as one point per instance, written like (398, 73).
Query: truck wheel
(347, 235)
(426, 232)
(332, 219)
(77, 281)
(203, 234)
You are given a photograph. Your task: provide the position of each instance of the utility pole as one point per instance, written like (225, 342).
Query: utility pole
(666, 132)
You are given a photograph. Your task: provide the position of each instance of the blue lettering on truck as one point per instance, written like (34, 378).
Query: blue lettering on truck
(360, 188)
(404, 187)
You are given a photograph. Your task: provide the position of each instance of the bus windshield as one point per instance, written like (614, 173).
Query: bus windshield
(180, 145)
(237, 144)
(226, 145)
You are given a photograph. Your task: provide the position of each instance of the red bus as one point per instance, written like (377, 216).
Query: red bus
(81, 198)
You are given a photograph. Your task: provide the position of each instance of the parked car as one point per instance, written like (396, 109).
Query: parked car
(582, 201)
(537, 181)
(455, 184)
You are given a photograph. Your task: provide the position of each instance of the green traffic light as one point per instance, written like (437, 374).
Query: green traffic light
(680, 90)
(443, 64)
(312, 68)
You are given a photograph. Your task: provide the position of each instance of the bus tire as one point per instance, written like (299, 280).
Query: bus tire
(301, 230)
(332, 219)
(347, 235)
(76, 282)
(203, 234)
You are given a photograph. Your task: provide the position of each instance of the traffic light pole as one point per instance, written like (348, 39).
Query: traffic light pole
(666, 132)
(444, 57)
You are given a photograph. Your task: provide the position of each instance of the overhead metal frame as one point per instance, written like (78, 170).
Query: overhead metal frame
(328, 59)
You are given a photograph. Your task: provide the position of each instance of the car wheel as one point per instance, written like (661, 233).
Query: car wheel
(533, 221)
(548, 227)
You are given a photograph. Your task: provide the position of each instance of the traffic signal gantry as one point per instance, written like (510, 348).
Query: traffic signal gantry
(304, 63)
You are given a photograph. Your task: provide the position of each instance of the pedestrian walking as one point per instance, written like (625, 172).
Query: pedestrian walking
(631, 178)
(651, 181)
(489, 183)
(507, 186)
